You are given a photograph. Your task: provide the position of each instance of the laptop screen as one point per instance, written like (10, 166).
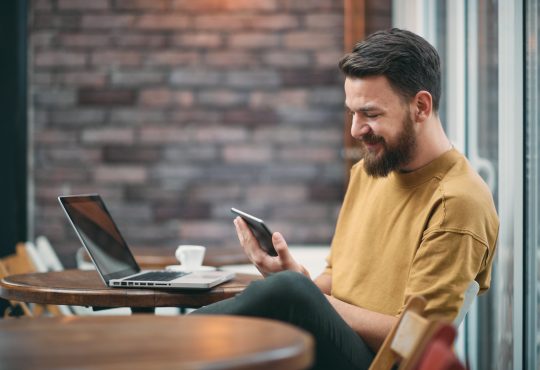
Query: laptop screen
(100, 236)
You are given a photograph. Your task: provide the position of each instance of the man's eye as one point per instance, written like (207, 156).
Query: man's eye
(372, 115)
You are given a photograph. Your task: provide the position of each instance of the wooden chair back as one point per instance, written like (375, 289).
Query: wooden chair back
(21, 263)
(406, 338)
(438, 353)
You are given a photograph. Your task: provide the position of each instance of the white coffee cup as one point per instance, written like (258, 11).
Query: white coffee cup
(190, 256)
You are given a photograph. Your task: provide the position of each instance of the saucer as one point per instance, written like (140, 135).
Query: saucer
(185, 269)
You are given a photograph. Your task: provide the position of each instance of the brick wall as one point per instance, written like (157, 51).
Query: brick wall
(177, 110)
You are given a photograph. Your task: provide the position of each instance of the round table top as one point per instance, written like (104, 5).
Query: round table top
(85, 288)
(153, 342)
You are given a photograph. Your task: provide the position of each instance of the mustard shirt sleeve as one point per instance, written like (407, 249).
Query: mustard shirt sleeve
(444, 265)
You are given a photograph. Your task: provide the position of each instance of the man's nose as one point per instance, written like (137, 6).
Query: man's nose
(359, 129)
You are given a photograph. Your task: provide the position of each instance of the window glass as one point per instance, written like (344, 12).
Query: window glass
(532, 184)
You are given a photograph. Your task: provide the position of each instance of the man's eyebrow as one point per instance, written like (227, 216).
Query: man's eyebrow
(366, 108)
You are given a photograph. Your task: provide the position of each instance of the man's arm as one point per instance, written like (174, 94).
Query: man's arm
(372, 326)
(324, 282)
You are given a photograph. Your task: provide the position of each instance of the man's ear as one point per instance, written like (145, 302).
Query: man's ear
(422, 106)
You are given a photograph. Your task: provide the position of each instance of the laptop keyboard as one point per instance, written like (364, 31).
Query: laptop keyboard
(157, 276)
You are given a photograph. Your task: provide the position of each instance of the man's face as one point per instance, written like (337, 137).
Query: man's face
(382, 123)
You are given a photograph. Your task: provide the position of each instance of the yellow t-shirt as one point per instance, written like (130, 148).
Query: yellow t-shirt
(429, 232)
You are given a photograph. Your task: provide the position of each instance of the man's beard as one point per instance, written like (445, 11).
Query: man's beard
(392, 157)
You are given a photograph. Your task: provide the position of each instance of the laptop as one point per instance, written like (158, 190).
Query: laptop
(111, 255)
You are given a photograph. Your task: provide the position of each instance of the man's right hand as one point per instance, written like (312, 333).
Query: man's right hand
(265, 263)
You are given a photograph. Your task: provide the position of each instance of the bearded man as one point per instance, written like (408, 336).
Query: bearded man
(416, 218)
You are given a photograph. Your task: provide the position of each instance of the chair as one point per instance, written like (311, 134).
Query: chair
(15, 308)
(23, 262)
(48, 254)
(438, 353)
(405, 338)
(470, 296)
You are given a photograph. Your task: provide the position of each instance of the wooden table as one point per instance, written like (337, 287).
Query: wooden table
(85, 288)
(153, 342)
(159, 257)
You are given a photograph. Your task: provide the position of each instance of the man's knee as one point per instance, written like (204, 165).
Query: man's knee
(289, 285)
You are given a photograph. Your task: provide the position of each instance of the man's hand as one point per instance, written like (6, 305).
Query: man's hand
(265, 263)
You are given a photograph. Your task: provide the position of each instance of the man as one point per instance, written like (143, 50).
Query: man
(416, 219)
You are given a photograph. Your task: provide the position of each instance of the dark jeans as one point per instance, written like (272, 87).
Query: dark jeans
(293, 298)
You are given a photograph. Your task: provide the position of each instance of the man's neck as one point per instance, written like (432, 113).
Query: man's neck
(432, 142)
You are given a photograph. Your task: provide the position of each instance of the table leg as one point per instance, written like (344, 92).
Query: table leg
(138, 310)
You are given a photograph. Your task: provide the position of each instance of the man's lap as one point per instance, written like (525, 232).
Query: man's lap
(293, 298)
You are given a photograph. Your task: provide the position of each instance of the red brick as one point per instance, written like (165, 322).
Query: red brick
(70, 156)
(107, 21)
(326, 192)
(216, 192)
(156, 97)
(141, 4)
(253, 40)
(55, 21)
(308, 154)
(221, 98)
(159, 97)
(198, 40)
(230, 59)
(108, 136)
(212, 134)
(59, 59)
(221, 22)
(106, 97)
(278, 22)
(172, 58)
(290, 58)
(312, 5)
(143, 40)
(311, 40)
(281, 98)
(299, 77)
(53, 136)
(83, 40)
(246, 154)
(43, 39)
(163, 22)
(281, 135)
(327, 59)
(83, 4)
(253, 117)
(130, 154)
(138, 115)
(120, 174)
(116, 58)
(258, 5)
(163, 135)
(42, 5)
(54, 97)
(262, 78)
(209, 230)
(276, 193)
(195, 77)
(199, 6)
(136, 77)
(324, 21)
(164, 211)
(80, 78)
(62, 173)
(77, 116)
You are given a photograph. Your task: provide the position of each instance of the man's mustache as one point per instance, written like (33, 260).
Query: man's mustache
(371, 139)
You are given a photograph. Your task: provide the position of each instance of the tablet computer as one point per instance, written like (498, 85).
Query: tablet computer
(259, 229)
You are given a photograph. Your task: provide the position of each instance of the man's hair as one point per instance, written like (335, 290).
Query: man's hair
(408, 61)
